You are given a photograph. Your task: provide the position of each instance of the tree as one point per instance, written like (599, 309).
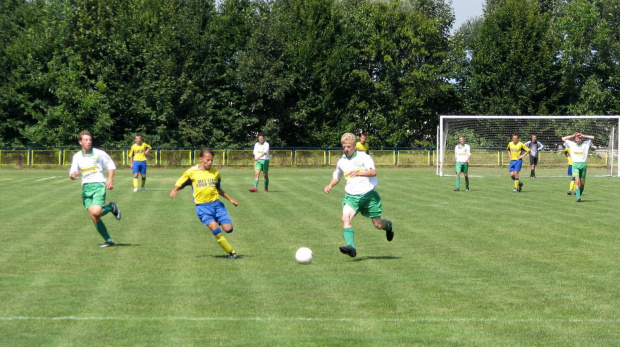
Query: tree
(509, 67)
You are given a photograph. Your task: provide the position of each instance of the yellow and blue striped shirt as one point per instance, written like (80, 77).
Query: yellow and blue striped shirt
(205, 183)
(138, 152)
(515, 149)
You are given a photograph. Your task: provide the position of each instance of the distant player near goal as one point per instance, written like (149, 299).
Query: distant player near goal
(569, 171)
(462, 152)
(579, 154)
(516, 150)
(534, 145)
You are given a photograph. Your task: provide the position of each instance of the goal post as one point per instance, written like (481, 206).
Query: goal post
(488, 136)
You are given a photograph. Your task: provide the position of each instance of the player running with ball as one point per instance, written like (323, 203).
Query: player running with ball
(358, 169)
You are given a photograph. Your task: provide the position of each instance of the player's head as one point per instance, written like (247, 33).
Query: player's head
(462, 140)
(206, 158)
(261, 138)
(138, 139)
(348, 143)
(534, 137)
(85, 139)
(363, 138)
(515, 138)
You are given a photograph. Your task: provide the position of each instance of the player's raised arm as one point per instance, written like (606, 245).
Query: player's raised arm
(567, 137)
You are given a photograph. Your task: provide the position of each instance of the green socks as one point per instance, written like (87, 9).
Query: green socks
(255, 183)
(458, 183)
(107, 209)
(267, 184)
(348, 236)
(103, 231)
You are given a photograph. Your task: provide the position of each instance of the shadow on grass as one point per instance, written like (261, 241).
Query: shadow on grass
(221, 256)
(387, 257)
(126, 245)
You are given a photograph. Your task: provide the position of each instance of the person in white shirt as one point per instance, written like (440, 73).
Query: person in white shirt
(91, 163)
(579, 154)
(462, 152)
(261, 162)
(358, 169)
(534, 145)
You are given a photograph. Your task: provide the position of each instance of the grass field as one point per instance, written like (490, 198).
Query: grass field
(485, 267)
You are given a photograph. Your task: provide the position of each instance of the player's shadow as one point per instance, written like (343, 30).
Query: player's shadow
(221, 256)
(126, 245)
(369, 257)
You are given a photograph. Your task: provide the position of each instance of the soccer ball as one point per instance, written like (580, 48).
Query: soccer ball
(304, 255)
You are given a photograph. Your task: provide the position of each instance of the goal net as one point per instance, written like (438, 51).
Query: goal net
(488, 137)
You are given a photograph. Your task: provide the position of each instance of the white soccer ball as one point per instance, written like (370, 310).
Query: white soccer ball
(304, 255)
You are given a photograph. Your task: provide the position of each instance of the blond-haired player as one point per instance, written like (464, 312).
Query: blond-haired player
(358, 170)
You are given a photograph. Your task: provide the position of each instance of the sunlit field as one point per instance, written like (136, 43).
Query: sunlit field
(484, 267)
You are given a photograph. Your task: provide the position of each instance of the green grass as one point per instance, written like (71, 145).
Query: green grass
(485, 267)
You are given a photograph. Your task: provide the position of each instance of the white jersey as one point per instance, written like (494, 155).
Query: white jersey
(360, 162)
(91, 166)
(578, 153)
(462, 153)
(260, 149)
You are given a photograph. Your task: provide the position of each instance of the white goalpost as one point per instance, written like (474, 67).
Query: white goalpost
(488, 137)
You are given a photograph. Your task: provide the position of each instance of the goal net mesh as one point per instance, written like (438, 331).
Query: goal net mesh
(488, 137)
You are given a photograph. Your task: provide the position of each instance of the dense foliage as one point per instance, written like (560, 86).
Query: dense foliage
(215, 73)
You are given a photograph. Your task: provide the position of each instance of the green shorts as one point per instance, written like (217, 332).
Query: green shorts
(579, 170)
(368, 204)
(461, 167)
(93, 194)
(262, 165)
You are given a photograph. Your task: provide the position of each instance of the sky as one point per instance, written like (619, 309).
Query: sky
(464, 10)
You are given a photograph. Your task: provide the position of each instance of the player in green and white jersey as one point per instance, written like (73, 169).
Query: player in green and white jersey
(91, 162)
(358, 169)
(462, 152)
(579, 154)
(261, 162)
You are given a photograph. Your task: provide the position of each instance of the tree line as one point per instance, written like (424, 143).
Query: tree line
(215, 73)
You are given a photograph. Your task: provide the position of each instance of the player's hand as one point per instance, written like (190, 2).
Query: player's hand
(74, 175)
(109, 184)
(327, 189)
(234, 202)
(173, 193)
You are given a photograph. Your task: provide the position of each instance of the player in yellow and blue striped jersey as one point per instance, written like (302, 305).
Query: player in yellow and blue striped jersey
(206, 186)
(137, 161)
(516, 150)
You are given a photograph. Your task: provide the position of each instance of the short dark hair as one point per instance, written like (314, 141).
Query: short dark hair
(205, 151)
(260, 134)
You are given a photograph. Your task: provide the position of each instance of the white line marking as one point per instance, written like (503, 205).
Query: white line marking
(46, 178)
(315, 319)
